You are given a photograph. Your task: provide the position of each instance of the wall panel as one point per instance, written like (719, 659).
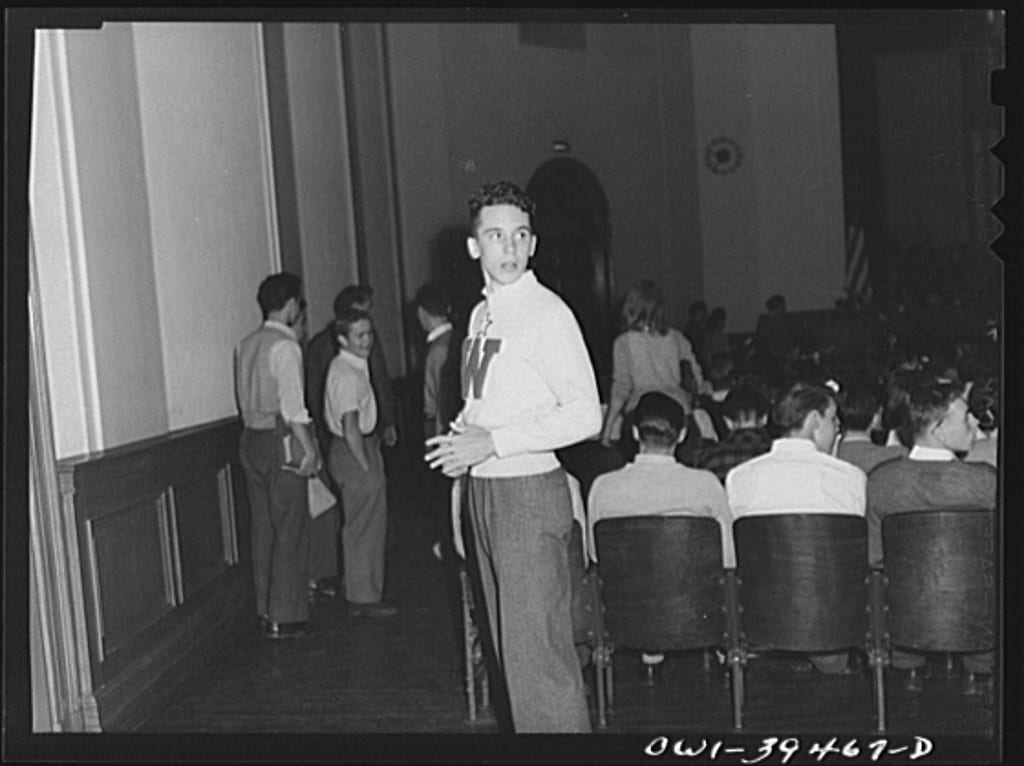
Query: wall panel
(199, 519)
(127, 548)
(158, 528)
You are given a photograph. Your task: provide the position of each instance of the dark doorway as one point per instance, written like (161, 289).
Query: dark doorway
(573, 231)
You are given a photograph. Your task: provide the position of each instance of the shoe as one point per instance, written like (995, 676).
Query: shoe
(377, 610)
(324, 587)
(281, 630)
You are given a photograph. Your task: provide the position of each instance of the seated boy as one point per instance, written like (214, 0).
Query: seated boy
(860, 409)
(655, 483)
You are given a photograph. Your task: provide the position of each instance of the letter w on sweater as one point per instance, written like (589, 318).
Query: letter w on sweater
(478, 354)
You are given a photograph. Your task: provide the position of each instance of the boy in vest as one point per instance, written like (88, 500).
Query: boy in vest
(269, 390)
(529, 389)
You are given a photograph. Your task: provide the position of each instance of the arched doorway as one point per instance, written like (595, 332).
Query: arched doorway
(573, 232)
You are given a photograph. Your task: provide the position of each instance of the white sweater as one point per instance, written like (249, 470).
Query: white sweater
(527, 378)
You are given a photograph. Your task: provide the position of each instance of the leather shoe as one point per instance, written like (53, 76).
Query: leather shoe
(377, 610)
(281, 630)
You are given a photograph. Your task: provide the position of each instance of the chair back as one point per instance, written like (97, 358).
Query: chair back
(941, 570)
(661, 581)
(802, 580)
(586, 611)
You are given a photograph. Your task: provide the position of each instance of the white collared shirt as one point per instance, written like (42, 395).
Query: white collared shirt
(794, 477)
(930, 453)
(348, 389)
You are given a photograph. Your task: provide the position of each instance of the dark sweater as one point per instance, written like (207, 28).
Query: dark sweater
(924, 485)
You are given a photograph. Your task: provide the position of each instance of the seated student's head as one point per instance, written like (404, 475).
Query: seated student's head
(860, 406)
(432, 306)
(659, 423)
(354, 331)
(939, 416)
(745, 407)
(808, 412)
(354, 297)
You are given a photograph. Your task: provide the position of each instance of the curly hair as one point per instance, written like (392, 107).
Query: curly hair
(498, 193)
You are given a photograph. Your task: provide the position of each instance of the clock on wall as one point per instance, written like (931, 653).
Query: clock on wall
(723, 156)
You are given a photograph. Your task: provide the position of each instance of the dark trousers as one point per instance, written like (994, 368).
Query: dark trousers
(279, 504)
(521, 530)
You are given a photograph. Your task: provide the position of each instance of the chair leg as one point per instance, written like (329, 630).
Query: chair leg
(648, 675)
(707, 660)
(950, 665)
(610, 683)
(485, 689)
(599, 677)
(737, 692)
(880, 697)
(468, 639)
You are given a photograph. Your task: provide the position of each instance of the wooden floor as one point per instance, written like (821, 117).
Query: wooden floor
(404, 676)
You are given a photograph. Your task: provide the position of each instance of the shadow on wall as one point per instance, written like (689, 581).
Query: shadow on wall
(455, 272)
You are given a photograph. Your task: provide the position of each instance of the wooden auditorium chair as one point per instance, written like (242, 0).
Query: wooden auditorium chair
(661, 583)
(940, 578)
(801, 584)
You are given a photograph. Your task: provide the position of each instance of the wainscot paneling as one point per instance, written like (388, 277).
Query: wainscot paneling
(164, 573)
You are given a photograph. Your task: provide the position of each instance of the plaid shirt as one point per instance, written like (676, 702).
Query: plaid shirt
(737, 448)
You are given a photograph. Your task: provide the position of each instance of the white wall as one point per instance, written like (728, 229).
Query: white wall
(153, 222)
(794, 80)
(202, 102)
(775, 225)
(493, 108)
(52, 236)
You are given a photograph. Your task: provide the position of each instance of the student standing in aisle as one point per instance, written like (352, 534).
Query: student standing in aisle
(529, 389)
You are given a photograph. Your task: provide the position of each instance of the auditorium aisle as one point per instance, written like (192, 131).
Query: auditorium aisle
(404, 674)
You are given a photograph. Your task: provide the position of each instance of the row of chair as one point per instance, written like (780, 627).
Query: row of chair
(801, 584)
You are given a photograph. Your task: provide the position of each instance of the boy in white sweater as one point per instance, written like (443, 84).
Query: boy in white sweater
(529, 389)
